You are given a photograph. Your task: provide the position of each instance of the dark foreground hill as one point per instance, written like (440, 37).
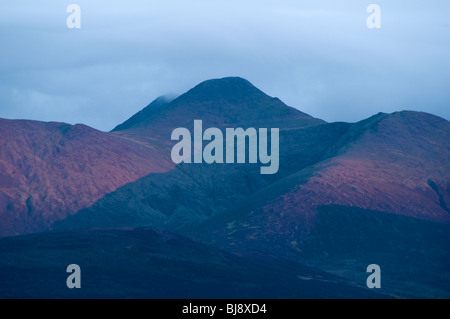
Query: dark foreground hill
(147, 263)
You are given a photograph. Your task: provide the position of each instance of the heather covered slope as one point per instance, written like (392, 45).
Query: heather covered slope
(51, 170)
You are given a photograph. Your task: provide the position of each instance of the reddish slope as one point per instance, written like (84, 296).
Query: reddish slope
(50, 170)
(389, 168)
(396, 163)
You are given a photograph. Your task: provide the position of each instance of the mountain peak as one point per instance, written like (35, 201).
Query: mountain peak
(235, 90)
(219, 102)
(229, 80)
(226, 83)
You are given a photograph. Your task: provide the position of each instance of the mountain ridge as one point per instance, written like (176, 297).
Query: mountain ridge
(365, 185)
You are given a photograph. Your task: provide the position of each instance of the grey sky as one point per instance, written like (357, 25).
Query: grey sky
(317, 56)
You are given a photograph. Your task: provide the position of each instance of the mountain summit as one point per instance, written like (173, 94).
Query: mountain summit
(226, 102)
(234, 90)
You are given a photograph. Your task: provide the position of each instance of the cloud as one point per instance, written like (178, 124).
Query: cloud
(317, 56)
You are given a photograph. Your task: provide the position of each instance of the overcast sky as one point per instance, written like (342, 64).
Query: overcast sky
(318, 56)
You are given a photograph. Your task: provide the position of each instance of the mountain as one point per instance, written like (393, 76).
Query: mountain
(394, 163)
(51, 170)
(346, 194)
(148, 263)
(382, 198)
(191, 194)
(227, 102)
(393, 168)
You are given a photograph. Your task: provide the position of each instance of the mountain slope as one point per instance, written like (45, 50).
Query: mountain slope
(51, 170)
(191, 194)
(142, 116)
(382, 163)
(391, 163)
